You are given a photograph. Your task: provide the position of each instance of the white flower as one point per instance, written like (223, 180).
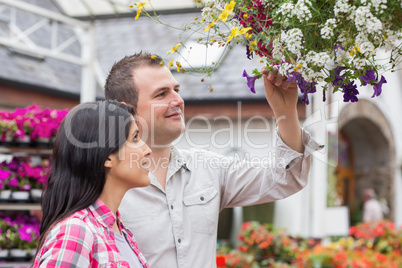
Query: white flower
(277, 49)
(342, 6)
(300, 10)
(212, 9)
(364, 44)
(392, 39)
(373, 25)
(309, 75)
(293, 40)
(320, 59)
(286, 10)
(328, 30)
(285, 68)
(379, 5)
(359, 63)
(366, 21)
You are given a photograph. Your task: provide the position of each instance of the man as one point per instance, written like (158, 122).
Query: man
(372, 211)
(175, 219)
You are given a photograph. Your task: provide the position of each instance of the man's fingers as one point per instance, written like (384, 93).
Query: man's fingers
(272, 74)
(280, 79)
(268, 85)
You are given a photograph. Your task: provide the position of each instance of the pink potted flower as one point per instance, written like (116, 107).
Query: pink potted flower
(8, 128)
(23, 235)
(30, 124)
(5, 192)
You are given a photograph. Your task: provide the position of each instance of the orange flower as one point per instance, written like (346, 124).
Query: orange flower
(264, 244)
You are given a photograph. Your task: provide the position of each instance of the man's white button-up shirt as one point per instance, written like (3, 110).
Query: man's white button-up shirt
(177, 226)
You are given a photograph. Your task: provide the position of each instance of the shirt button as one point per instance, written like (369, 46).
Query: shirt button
(202, 198)
(179, 240)
(171, 206)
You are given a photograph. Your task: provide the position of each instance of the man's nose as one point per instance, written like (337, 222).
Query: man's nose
(177, 100)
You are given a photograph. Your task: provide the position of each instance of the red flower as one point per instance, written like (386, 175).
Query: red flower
(245, 225)
(341, 256)
(220, 261)
(381, 257)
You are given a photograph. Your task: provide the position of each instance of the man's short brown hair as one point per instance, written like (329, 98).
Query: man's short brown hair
(120, 83)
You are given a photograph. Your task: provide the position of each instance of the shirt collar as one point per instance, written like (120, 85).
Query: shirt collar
(103, 214)
(178, 159)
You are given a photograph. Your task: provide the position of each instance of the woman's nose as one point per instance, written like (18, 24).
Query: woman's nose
(147, 151)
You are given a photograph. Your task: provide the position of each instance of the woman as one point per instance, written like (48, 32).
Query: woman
(97, 157)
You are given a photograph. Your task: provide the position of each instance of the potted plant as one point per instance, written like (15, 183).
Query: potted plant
(37, 177)
(5, 191)
(5, 230)
(8, 128)
(23, 235)
(20, 187)
(25, 128)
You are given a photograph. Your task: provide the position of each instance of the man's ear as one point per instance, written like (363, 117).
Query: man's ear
(109, 161)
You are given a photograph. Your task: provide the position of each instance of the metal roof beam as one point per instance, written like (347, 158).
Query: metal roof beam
(45, 13)
(82, 32)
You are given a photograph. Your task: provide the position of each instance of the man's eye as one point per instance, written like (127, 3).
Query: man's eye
(161, 94)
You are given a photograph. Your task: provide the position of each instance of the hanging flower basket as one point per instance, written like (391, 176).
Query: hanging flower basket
(322, 42)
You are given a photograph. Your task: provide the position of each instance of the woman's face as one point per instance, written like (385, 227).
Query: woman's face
(130, 163)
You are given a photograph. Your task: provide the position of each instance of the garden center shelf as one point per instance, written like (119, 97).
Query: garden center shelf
(25, 151)
(19, 206)
(37, 153)
(15, 264)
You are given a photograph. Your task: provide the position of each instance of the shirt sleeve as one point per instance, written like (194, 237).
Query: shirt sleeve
(69, 244)
(248, 183)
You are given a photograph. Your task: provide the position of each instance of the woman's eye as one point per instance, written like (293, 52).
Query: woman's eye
(135, 139)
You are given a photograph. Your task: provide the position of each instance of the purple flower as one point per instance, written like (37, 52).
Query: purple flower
(349, 92)
(368, 78)
(378, 87)
(338, 46)
(13, 165)
(249, 53)
(305, 87)
(338, 76)
(250, 80)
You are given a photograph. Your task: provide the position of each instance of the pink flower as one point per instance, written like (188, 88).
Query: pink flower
(13, 182)
(4, 174)
(25, 232)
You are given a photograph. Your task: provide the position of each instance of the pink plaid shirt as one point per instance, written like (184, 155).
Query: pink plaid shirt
(86, 239)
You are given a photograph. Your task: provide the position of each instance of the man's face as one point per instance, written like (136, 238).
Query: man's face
(160, 108)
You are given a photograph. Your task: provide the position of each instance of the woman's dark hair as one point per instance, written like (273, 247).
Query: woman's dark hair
(86, 137)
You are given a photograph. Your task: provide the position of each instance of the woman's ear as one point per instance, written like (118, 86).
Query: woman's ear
(109, 161)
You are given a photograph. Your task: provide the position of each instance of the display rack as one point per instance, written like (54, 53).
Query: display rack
(20, 151)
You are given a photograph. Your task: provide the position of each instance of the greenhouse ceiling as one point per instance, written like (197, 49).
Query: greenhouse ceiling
(92, 8)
